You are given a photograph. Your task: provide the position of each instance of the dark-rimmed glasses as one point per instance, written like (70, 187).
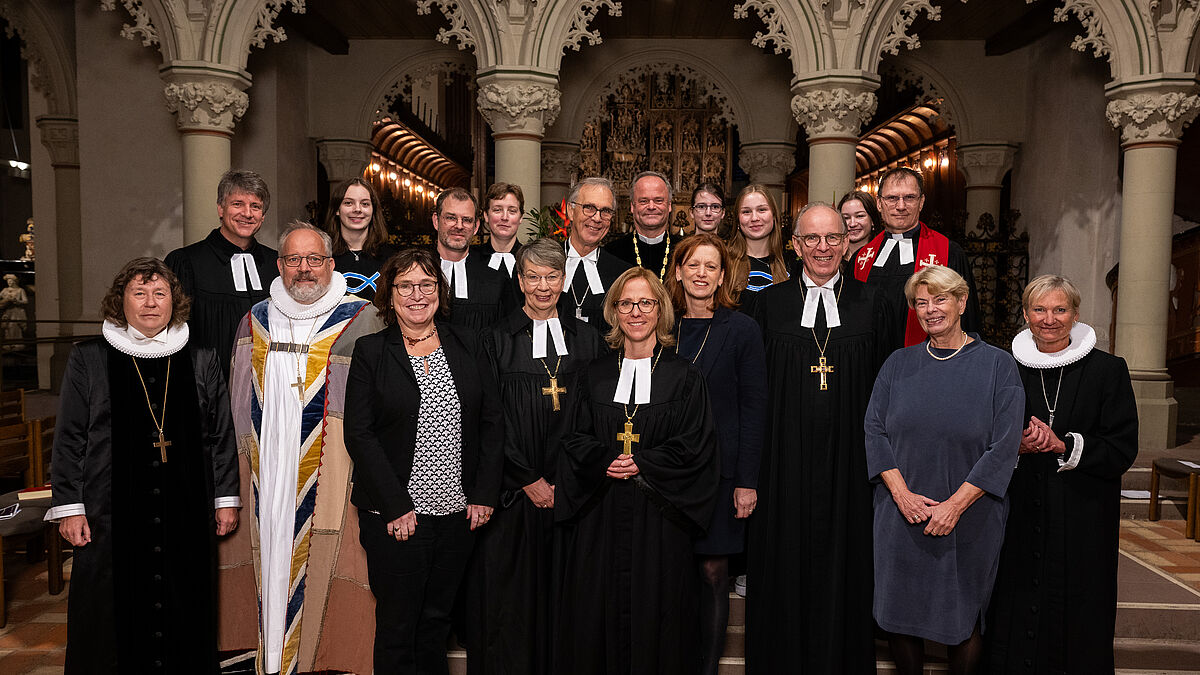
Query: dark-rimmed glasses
(647, 305)
(313, 260)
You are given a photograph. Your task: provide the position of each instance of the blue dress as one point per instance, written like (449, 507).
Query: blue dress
(942, 423)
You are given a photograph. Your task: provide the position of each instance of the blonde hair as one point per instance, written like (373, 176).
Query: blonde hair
(666, 314)
(1051, 282)
(740, 271)
(939, 280)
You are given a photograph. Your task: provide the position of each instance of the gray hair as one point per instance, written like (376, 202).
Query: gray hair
(545, 252)
(599, 181)
(242, 180)
(648, 174)
(816, 205)
(296, 226)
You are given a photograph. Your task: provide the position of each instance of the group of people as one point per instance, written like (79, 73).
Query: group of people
(394, 428)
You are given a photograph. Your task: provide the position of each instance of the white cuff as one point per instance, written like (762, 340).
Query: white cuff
(1076, 452)
(234, 502)
(64, 510)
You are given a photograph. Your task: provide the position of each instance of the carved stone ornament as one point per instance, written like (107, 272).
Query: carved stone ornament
(516, 106)
(1150, 117)
(906, 76)
(769, 165)
(1094, 37)
(452, 10)
(263, 25)
(422, 76)
(206, 105)
(141, 28)
(985, 164)
(768, 11)
(343, 159)
(39, 74)
(897, 36)
(560, 162)
(60, 135)
(836, 112)
(582, 17)
(705, 89)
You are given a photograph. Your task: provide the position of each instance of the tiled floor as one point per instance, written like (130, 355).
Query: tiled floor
(1163, 545)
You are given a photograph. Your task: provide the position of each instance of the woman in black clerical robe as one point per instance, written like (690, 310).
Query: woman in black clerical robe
(145, 478)
(360, 237)
(537, 384)
(1054, 607)
(637, 482)
(726, 346)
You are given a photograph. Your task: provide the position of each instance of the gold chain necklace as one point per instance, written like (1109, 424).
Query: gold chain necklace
(162, 444)
(666, 254)
(823, 366)
(553, 390)
(628, 437)
(702, 342)
(946, 358)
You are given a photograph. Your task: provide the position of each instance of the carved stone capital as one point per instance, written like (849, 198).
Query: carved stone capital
(205, 99)
(984, 164)
(835, 112)
(342, 158)
(518, 106)
(560, 162)
(60, 135)
(767, 163)
(1152, 112)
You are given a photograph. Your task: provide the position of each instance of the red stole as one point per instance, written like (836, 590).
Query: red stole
(933, 248)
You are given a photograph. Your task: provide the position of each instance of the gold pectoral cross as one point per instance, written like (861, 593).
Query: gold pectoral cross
(553, 391)
(824, 369)
(628, 437)
(299, 385)
(162, 445)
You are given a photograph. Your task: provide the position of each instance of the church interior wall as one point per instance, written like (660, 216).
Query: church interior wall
(272, 137)
(1065, 181)
(41, 179)
(129, 153)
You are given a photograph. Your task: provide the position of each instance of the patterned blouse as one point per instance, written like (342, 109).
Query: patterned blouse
(436, 481)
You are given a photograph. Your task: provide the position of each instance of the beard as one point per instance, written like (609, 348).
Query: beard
(306, 295)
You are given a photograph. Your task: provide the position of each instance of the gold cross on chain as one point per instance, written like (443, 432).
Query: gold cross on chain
(553, 391)
(628, 437)
(824, 370)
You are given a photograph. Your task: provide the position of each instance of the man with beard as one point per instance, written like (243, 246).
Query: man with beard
(479, 293)
(229, 271)
(650, 244)
(590, 269)
(290, 363)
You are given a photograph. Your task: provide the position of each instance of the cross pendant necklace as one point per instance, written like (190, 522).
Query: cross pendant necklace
(823, 366)
(1057, 390)
(302, 358)
(162, 444)
(627, 438)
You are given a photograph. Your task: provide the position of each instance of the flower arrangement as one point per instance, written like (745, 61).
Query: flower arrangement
(550, 221)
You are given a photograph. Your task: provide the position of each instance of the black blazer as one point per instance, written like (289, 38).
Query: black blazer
(382, 400)
(734, 364)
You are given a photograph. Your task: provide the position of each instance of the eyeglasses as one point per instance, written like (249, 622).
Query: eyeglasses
(590, 211)
(537, 279)
(647, 305)
(814, 240)
(406, 289)
(892, 200)
(708, 207)
(452, 220)
(314, 260)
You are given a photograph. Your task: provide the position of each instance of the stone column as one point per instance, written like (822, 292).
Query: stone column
(343, 158)
(832, 106)
(208, 99)
(769, 163)
(519, 106)
(984, 165)
(560, 164)
(1151, 114)
(60, 135)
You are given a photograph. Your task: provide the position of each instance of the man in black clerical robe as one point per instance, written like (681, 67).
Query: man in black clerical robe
(809, 556)
(650, 244)
(591, 270)
(479, 295)
(228, 271)
(628, 601)
(904, 247)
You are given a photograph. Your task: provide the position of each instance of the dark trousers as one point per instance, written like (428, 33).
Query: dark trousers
(415, 583)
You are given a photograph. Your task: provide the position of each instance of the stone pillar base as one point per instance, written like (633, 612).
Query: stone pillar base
(1158, 412)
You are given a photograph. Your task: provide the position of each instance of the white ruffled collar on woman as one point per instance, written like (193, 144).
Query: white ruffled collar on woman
(294, 310)
(129, 340)
(1025, 351)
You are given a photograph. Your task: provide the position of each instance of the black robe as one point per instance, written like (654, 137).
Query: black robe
(143, 594)
(491, 295)
(361, 270)
(1055, 598)
(217, 306)
(516, 570)
(809, 556)
(655, 257)
(628, 601)
(579, 299)
(485, 251)
(889, 280)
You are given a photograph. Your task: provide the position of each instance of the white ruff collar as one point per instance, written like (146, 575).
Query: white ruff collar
(129, 341)
(294, 310)
(1025, 351)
